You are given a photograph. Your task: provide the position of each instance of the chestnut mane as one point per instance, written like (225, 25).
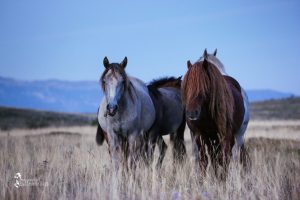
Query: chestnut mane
(203, 79)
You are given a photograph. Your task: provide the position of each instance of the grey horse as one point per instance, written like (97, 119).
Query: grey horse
(126, 113)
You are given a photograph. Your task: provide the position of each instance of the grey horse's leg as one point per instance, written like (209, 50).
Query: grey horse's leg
(100, 136)
(135, 149)
(114, 149)
(162, 151)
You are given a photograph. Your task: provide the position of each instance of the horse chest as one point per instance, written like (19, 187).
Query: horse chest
(205, 128)
(122, 125)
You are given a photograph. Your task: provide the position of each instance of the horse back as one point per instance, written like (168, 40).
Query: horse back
(230, 80)
(239, 110)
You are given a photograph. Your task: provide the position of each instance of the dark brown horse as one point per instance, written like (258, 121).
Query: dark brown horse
(170, 117)
(216, 111)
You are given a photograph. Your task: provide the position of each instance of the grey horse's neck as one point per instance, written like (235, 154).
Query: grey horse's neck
(128, 95)
(127, 101)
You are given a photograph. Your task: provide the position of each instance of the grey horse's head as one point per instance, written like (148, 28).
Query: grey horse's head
(212, 58)
(114, 82)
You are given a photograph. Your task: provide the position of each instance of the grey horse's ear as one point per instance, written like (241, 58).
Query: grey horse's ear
(189, 64)
(124, 63)
(106, 62)
(205, 63)
(215, 53)
(205, 54)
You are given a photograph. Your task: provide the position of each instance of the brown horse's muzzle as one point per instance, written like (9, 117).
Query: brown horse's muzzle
(193, 115)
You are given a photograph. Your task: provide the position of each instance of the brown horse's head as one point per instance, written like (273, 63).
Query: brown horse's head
(205, 93)
(196, 86)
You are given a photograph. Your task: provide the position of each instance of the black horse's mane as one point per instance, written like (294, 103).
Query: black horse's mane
(155, 84)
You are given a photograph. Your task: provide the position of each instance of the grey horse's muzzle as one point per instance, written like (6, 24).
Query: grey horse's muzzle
(111, 109)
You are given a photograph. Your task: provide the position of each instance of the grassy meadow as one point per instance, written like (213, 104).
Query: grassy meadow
(66, 163)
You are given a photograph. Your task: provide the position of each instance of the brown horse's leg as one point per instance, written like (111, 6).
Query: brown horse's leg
(199, 154)
(162, 151)
(226, 153)
(195, 147)
(179, 150)
(203, 158)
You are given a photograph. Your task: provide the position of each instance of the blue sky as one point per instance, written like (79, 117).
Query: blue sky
(258, 41)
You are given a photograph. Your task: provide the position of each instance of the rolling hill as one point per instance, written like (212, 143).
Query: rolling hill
(11, 118)
(284, 109)
(288, 108)
(76, 96)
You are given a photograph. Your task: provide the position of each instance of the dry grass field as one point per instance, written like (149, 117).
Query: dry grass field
(66, 163)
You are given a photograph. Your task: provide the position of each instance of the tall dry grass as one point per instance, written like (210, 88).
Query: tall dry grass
(72, 166)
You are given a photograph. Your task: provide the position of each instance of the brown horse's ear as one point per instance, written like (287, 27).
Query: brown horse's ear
(189, 64)
(124, 63)
(205, 54)
(215, 53)
(106, 62)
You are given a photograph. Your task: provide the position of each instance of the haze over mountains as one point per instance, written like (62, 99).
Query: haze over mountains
(75, 96)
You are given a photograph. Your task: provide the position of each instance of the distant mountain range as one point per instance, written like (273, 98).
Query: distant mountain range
(53, 95)
(263, 95)
(75, 96)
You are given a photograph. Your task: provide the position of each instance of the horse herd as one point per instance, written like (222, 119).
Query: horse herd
(133, 116)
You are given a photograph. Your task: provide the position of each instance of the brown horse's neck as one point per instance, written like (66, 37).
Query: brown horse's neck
(221, 101)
